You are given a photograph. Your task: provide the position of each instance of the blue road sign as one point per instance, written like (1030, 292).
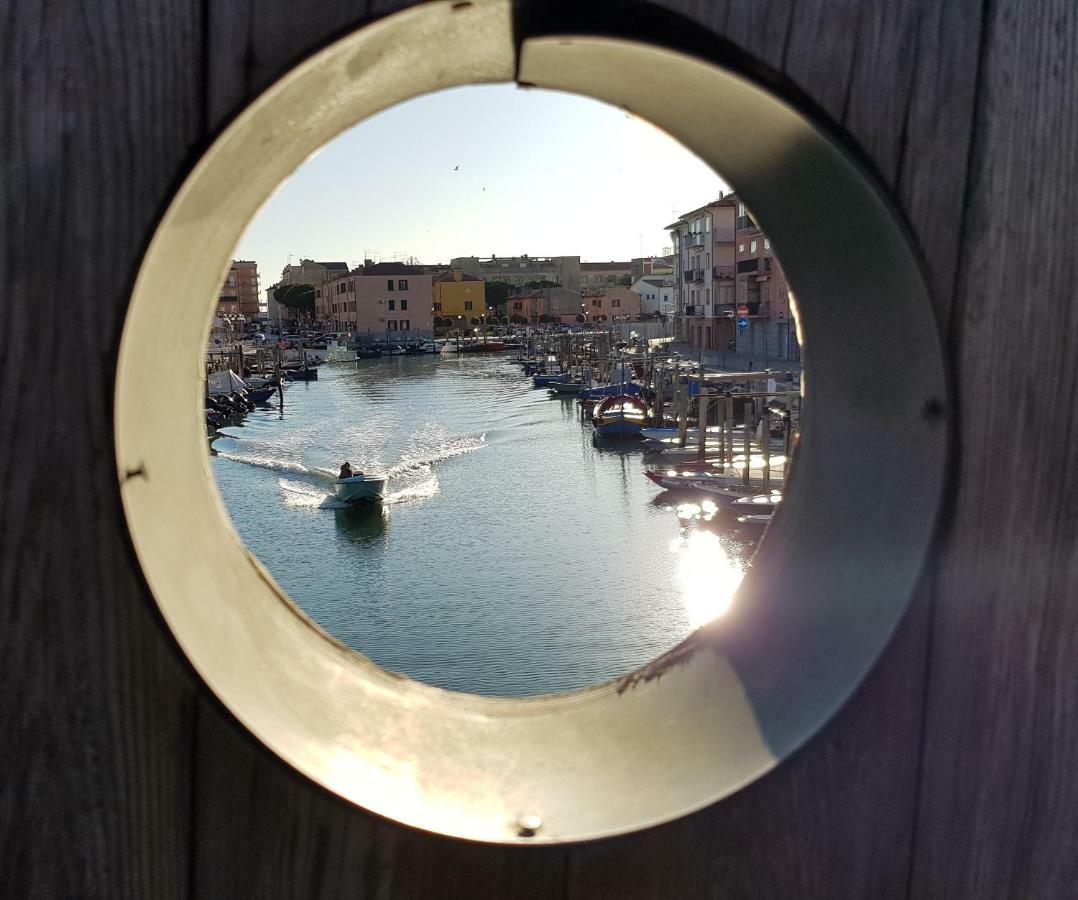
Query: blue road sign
(742, 323)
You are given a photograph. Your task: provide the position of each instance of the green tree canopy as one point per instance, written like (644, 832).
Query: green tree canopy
(299, 297)
(540, 285)
(497, 292)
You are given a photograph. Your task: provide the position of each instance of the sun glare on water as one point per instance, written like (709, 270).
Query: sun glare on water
(708, 574)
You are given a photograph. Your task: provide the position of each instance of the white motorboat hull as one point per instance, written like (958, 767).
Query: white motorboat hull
(360, 488)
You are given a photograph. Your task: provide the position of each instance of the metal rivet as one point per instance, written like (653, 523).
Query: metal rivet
(527, 825)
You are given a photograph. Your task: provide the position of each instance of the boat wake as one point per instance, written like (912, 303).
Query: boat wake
(432, 446)
(412, 477)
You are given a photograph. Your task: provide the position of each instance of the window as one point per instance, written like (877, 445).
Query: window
(404, 304)
(616, 301)
(392, 304)
(517, 306)
(406, 325)
(391, 325)
(467, 304)
(752, 247)
(437, 307)
(318, 292)
(740, 248)
(402, 285)
(598, 303)
(707, 297)
(389, 284)
(741, 209)
(767, 244)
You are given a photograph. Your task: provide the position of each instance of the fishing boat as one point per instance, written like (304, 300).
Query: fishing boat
(361, 488)
(547, 380)
(622, 415)
(565, 387)
(369, 352)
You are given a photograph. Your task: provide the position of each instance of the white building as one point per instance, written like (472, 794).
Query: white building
(658, 293)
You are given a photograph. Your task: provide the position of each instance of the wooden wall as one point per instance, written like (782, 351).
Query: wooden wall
(951, 772)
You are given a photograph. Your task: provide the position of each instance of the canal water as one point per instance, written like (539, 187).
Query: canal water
(511, 556)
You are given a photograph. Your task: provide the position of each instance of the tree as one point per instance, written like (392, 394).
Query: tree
(546, 319)
(519, 320)
(580, 318)
(497, 292)
(626, 280)
(297, 297)
(542, 284)
(475, 320)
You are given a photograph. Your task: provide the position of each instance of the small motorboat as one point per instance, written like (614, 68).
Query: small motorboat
(361, 488)
(621, 416)
(754, 521)
(761, 504)
(565, 387)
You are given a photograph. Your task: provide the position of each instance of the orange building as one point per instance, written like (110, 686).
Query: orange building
(239, 290)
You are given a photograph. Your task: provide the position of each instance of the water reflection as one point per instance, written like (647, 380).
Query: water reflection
(363, 525)
(712, 556)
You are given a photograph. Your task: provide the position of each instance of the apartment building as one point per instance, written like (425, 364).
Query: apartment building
(763, 295)
(563, 271)
(457, 295)
(391, 301)
(239, 294)
(596, 275)
(704, 248)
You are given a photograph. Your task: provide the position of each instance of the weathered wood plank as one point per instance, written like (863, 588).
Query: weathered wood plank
(263, 830)
(100, 112)
(832, 821)
(411, 865)
(999, 810)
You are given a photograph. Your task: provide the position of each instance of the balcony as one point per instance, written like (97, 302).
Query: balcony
(723, 273)
(697, 275)
(748, 265)
(694, 310)
(744, 223)
(697, 239)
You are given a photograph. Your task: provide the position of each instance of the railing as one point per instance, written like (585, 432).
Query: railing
(691, 311)
(697, 275)
(722, 272)
(744, 222)
(696, 239)
(748, 265)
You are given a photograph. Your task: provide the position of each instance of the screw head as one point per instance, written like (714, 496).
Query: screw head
(528, 824)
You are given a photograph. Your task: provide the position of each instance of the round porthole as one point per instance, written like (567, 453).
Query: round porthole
(827, 587)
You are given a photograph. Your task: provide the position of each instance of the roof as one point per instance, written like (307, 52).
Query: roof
(598, 266)
(336, 266)
(390, 268)
(728, 200)
(448, 276)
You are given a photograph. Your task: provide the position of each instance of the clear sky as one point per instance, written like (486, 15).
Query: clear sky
(483, 170)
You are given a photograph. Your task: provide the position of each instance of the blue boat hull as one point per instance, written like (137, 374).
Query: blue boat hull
(611, 390)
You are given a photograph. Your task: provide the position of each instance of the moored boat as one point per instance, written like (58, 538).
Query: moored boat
(622, 415)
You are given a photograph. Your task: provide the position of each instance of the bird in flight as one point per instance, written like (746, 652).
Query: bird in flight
(456, 168)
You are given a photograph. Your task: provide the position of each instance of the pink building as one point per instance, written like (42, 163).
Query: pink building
(382, 300)
(610, 304)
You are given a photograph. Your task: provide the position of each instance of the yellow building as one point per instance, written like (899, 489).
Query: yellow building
(459, 295)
